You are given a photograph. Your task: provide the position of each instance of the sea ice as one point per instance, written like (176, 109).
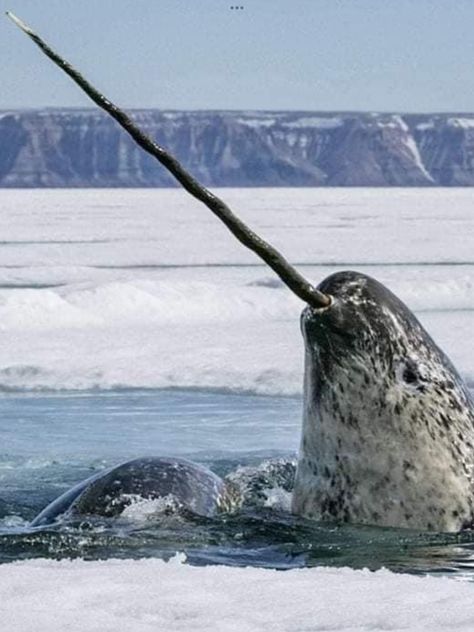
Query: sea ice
(150, 595)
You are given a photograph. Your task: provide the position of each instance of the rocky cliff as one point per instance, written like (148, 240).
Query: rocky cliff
(84, 148)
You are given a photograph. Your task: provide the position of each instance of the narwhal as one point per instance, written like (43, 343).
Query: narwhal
(388, 424)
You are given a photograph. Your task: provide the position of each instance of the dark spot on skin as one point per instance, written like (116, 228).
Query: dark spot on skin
(353, 421)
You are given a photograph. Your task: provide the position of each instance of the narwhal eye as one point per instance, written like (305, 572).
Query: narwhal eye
(413, 375)
(409, 375)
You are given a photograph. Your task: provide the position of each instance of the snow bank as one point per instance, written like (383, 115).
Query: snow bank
(109, 289)
(160, 334)
(152, 595)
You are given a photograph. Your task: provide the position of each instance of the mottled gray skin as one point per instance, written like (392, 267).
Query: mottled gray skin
(191, 487)
(388, 426)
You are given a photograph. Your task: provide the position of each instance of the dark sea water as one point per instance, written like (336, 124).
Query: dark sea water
(52, 441)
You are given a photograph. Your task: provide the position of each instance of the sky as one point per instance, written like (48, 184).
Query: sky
(369, 55)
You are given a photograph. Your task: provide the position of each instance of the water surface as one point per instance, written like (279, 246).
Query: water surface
(52, 441)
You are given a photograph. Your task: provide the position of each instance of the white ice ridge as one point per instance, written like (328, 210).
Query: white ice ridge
(141, 288)
(151, 595)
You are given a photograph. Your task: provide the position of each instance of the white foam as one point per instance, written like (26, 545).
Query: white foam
(13, 522)
(150, 595)
(143, 510)
(278, 498)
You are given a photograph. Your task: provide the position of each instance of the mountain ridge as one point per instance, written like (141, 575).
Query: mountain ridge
(76, 147)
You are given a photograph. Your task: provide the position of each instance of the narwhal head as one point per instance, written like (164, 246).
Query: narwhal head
(368, 331)
(388, 424)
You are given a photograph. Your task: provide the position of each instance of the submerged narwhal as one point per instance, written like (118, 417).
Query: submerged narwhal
(388, 424)
(182, 486)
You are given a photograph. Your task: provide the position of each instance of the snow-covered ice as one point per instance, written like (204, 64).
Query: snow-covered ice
(145, 288)
(152, 595)
(102, 289)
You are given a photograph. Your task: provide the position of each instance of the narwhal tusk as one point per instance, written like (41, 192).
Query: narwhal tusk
(287, 273)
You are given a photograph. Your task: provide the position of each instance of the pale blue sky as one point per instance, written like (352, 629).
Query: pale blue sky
(396, 55)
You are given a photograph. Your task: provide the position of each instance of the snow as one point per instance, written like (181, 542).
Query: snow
(147, 289)
(315, 121)
(257, 122)
(394, 122)
(397, 119)
(425, 126)
(464, 123)
(318, 122)
(413, 149)
(151, 595)
(144, 288)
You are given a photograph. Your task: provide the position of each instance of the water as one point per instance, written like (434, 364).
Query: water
(54, 441)
(132, 325)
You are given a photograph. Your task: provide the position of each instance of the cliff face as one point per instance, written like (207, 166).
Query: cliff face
(75, 148)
